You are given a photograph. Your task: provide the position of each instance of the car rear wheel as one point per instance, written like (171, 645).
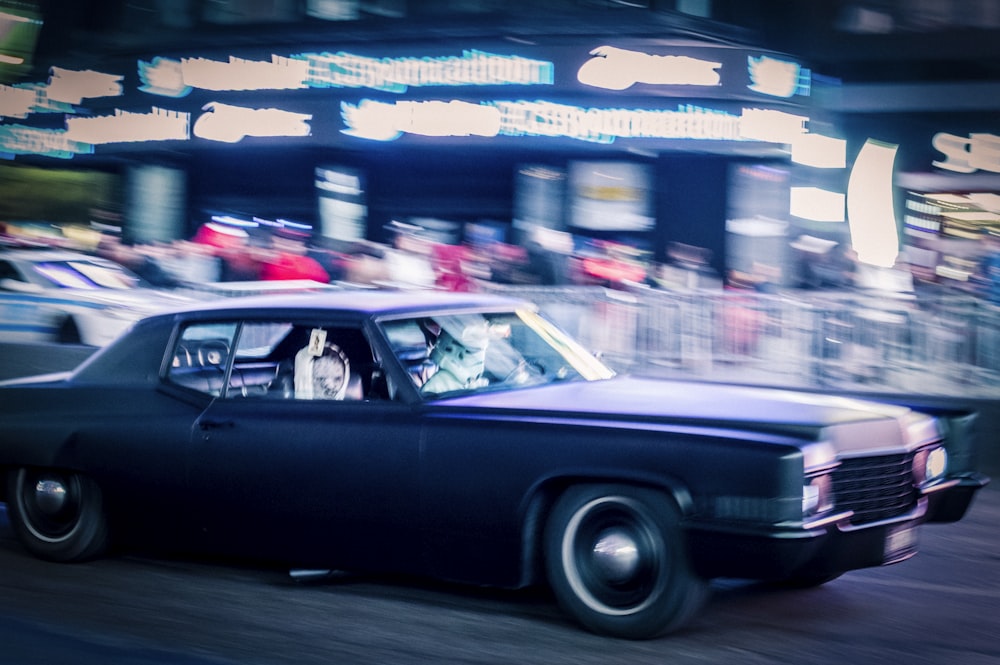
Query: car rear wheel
(616, 561)
(58, 516)
(69, 332)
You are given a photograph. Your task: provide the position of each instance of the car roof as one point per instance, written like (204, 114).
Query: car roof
(369, 302)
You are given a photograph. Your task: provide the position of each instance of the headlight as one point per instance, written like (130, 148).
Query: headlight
(937, 463)
(817, 495)
(929, 464)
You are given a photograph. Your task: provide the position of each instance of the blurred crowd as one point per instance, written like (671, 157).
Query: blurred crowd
(220, 252)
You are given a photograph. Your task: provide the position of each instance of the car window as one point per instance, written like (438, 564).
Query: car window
(85, 275)
(105, 275)
(301, 361)
(474, 352)
(201, 356)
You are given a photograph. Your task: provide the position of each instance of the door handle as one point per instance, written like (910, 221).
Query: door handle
(207, 424)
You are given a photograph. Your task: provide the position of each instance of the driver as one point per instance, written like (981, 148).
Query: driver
(460, 356)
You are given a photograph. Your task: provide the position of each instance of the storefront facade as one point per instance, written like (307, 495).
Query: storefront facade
(631, 139)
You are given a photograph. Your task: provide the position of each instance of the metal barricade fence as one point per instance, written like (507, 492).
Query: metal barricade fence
(798, 339)
(986, 345)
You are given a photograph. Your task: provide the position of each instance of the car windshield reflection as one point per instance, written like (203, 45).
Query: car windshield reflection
(85, 275)
(484, 352)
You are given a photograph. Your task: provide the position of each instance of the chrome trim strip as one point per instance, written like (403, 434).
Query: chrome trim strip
(914, 514)
(828, 520)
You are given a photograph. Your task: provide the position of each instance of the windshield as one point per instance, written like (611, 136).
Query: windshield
(484, 352)
(82, 274)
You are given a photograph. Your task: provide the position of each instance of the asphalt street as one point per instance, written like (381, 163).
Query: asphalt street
(939, 608)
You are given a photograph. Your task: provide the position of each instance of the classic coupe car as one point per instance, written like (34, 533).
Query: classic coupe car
(466, 438)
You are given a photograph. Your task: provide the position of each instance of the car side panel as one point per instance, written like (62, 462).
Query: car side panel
(319, 483)
(131, 440)
(480, 477)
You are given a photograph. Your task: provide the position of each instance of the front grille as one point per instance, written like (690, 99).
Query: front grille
(875, 488)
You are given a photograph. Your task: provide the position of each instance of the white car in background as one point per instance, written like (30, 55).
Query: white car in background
(50, 295)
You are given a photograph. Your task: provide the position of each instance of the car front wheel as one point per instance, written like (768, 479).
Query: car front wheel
(58, 516)
(616, 561)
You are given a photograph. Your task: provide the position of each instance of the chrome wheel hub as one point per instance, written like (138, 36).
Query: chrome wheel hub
(616, 556)
(49, 496)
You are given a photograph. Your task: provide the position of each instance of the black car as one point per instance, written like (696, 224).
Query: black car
(463, 437)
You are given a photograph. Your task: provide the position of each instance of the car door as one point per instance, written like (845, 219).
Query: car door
(329, 482)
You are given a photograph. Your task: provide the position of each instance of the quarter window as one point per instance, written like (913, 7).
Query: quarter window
(275, 360)
(201, 357)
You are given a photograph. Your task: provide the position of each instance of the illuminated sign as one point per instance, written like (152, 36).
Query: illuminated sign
(163, 77)
(871, 213)
(239, 74)
(386, 121)
(230, 124)
(817, 204)
(64, 89)
(42, 102)
(771, 126)
(968, 155)
(617, 69)
(72, 87)
(823, 152)
(172, 78)
(613, 68)
(16, 102)
(124, 126)
(778, 78)
(472, 68)
(379, 121)
(610, 196)
(678, 69)
(21, 140)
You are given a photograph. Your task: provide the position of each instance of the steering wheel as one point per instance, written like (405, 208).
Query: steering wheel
(213, 353)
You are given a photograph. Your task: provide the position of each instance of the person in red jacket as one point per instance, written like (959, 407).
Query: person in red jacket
(288, 259)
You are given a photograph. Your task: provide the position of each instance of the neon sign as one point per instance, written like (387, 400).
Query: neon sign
(871, 213)
(382, 121)
(42, 102)
(379, 121)
(16, 102)
(613, 68)
(21, 140)
(607, 67)
(163, 77)
(472, 68)
(239, 74)
(230, 124)
(65, 88)
(968, 155)
(172, 78)
(778, 78)
(66, 85)
(124, 126)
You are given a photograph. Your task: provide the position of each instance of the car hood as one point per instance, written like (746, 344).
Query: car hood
(655, 401)
(142, 300)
